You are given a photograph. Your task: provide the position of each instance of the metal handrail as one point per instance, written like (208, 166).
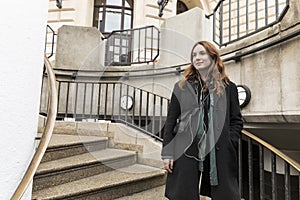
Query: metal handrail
(286, 158)
(52, 40)
(132, 46)
(27, 178)
(100, 100)
(242, 30)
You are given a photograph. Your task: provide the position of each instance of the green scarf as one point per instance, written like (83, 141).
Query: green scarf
(202, 136)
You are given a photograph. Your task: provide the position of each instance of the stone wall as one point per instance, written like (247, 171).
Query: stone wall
(79, 48)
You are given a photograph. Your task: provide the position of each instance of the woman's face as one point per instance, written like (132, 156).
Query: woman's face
(200, 58)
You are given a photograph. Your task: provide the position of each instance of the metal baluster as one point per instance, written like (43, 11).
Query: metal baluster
(274, 178)
(266, 12)
(139, 46)
(121, 84)
(240, 154)
(276, 9)
(151, 43)
(99, 101)
(247, 17)
(250, 167)
(126, 112)
(133, 109)
(92, 96)
(75, 106)
(105, 102)
(67, 99)
(287, 183)
(214, 29)
(145, 48)
(58, 97)
(221, 24)
(229, 21)
(160, 117)
(261, 172)
(238, 18)
(140, 110)
(153, 114)
(256, 14)
(113, 102)
(84, 99)
(147, 112)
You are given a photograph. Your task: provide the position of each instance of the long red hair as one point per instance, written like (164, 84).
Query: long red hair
(218, 74)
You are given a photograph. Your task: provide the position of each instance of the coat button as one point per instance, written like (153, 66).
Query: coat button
(217, 148)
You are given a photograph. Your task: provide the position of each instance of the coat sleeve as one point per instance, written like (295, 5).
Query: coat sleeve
(173, 114)
(236, 122)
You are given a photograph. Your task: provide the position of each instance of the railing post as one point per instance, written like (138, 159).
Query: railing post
(287, 184)
(261, 172)
(240, 167)
(250, 167)
(274, 178)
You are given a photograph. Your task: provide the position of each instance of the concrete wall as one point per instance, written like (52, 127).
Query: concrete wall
(79, 48)
(146, 13)
(23, 27)
(177, 38)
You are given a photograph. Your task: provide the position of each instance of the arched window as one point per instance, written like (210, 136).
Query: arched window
(110, 15)
(181, 7)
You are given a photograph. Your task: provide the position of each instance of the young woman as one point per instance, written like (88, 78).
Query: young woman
(202, 131)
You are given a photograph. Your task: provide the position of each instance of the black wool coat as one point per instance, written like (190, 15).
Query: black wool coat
(183, 182)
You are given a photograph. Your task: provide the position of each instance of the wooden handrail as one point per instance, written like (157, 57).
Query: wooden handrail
(52, 111)
(286, 158)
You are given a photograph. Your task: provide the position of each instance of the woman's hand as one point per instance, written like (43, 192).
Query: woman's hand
(168, 164)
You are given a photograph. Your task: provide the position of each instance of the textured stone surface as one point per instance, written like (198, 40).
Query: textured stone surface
(110, 183)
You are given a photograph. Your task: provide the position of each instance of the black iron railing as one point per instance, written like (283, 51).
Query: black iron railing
(234, 20)
(132, 46)
(85, 100)
(264, 171)
(50, 41)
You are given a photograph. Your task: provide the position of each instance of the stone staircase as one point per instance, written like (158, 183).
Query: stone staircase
(88, 167)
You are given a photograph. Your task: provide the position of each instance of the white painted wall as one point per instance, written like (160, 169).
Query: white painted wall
(22, 37)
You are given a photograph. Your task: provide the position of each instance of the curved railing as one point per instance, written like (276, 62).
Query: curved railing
(264, 177)
(46, 134)
(234, 20)
(86, 98)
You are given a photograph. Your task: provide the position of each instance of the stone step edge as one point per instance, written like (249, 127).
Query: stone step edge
(83, 164)
(78, 142)
(61, 151)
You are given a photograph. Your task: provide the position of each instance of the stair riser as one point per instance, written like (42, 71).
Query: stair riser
(72, 150)
(58, 177)
(119, 190)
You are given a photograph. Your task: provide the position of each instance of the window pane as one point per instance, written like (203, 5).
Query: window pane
(114, 2)
(127, 4)
(100, 19)
(113, 20)
(127, 19)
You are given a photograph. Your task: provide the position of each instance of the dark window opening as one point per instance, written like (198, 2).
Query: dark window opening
(110, 15)
(181, 7)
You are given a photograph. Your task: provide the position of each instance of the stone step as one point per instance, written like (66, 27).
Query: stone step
(72, 168)
(62, 146)
(157, 193)
(109, 185)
